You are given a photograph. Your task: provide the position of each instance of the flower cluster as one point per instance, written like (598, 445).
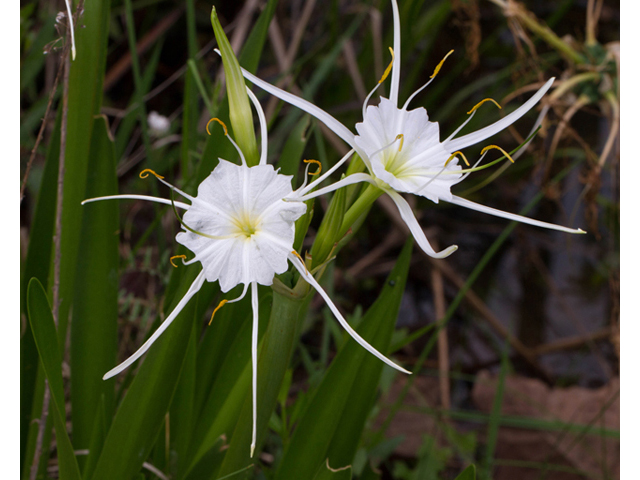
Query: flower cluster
(241, 224)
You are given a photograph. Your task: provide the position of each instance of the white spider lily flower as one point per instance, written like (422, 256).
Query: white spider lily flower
(241, 228)
(402, 149)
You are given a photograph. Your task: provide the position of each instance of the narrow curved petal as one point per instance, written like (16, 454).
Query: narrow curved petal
(73, 37)
(254, 362)
(337, 127)
(193, 289)
(489, 131)
(304, 189)
(312, 281)
(395, 72)
(415, 228)
(511, 216)
(350, 180)
(137, 197)
(263, 126)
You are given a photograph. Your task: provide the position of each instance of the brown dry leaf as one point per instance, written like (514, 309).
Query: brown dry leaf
(533, 399)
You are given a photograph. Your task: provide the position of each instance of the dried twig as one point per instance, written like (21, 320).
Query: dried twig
(437, 285)
(66, 61)
(43, 125)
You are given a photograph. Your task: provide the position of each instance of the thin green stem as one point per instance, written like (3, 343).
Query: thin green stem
(359, 207)
(203, 92)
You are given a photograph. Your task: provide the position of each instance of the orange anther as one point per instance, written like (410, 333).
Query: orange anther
(183, 257)
(145, 173)
(483, 101)
(226, 132)
(489, 147)
(317, 163)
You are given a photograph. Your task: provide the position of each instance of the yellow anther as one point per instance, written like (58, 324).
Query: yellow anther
(220, 305)
(388, 70)
(226, 132)
(483, 101)
(400, 137)
(145, 173)
(317, 172)
(453, 155)
(183, 257)
(489, 147)
(439, 66)
(298, 255)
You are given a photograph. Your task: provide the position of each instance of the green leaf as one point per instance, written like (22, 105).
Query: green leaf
(225, 396)
(333, 422)
(273, 360)
(289, 161)
(252, 49)
(142, 411)
(44, 333)
(329, 229)
(85, 100)
(325, 472)
(181, 414)
(37, 266)
(94, 329)
(99, 433)
(468, 473)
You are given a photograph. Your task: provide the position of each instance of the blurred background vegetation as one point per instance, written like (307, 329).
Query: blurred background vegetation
(524, 379)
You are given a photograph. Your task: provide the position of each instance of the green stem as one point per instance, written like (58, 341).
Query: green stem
(360, 206)
(546, 34)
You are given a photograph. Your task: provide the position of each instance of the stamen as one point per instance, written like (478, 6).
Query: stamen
(300, 258)
(400, 137)
(220, 305)
(489, 147)
(388, 69)
(317, 172)
(439, 66)
(453, 155)
(483, 101)
(226, 132)
(145, 173)
(183, 257)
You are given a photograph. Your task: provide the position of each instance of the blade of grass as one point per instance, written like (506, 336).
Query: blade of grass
(332, 424)
(37, 265)
(95, 307)
(44, 332)
(494, 418)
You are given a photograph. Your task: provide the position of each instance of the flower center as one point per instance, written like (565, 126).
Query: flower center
(246, 225)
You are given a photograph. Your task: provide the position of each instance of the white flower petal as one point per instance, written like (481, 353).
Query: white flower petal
(511, 216)
(193, 289)
(246, 207)
(182, 205)
(254, 363)
(263, 126)
(312, 281)
(350, 180)
(489, 131)
(415, 228)
(395, 72)
(337, 127)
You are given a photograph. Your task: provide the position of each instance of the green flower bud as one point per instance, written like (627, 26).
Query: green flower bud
(239, 108)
